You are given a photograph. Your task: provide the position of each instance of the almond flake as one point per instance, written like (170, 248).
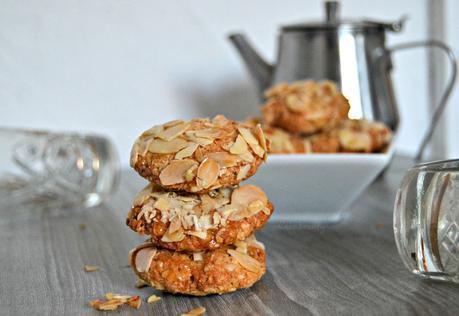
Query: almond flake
(266, 210)
(207, 203)
(134, 302)
(255, 207)
(201, 234)
(161, 204)
(173, 237)
(207, 173)
(109, 305)
(257, 150)
(241, 246)
(174, 131)
(140, 283)
(227, 210)
(307, 146)
(174, 172)
(245, 260)
(247, 135)
(197, 256)
(258, 131)
(224, 159)
(195, 312)
(253, 242)
(247, 156)
(175, 225)
(296, 103)
(208, 133)
(152, 132)
(246, 194)
(110, 296)
(143, 195)
(220, 120)
(159, 146)
(153, 299)
(202, 141)
(239, 147)
(243, 171)
(199, 156)
(216, 218)
(239, 215)
(190, 174)
(143, 259)
(172, 123)
(187, 151)
(90, 268)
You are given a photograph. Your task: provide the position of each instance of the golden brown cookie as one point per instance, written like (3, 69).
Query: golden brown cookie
(363, 136)
(194, 222)
(304, 107)
(200, 273)
(283, 142)
(199, 155)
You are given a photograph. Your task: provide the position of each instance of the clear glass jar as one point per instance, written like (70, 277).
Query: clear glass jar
(426, 220)
(55, 169)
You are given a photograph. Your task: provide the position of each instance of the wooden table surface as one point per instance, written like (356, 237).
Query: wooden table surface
(347, 268)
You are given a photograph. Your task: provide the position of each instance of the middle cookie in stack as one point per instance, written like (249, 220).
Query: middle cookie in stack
(201, 237)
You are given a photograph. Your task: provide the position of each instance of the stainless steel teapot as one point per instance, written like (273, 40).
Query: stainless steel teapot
(351, 53)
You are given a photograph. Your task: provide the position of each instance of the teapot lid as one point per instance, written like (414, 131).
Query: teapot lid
(333, 22)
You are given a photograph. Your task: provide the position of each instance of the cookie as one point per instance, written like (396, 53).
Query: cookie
(200, 273)
(199, 155)
(304, 107)
(362, 136)
(283, 142)
(193, 222)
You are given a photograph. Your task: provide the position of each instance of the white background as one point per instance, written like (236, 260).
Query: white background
(117, 67)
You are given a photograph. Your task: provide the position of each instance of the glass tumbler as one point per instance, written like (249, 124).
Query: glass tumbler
(55, 169)
(426, 220)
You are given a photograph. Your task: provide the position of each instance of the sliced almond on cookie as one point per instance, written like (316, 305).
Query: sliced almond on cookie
(175, 225)
(175, 171)
(247, 135)
(243, 171)
(152, 132)
(258, 131)
(143, 259)
(174, 131)
(159, 146)
(245, 260)
(207, 173)
(173, 237)
(239, 146)
(224, 159)
(190, 174)
(246, 194)
(187, 151)
(247, 156)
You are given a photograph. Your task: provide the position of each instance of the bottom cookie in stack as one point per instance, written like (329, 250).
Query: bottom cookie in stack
(218, 271)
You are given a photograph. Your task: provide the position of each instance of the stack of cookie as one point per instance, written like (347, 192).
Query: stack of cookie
(200, 221)
(312, 117)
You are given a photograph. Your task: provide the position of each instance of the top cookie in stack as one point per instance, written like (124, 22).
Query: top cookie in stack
(199, 155)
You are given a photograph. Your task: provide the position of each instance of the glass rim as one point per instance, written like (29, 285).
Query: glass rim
(437, 165)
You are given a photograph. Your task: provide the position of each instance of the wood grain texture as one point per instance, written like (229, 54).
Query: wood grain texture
(348, 268)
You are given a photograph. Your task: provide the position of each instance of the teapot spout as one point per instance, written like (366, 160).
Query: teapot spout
(259, 69)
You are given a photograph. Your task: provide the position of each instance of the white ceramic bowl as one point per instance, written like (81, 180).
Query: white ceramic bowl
(317, 188)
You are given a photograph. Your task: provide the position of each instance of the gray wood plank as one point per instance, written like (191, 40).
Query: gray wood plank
(348, 268)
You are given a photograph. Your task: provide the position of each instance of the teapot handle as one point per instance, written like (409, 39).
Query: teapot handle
(447, 92)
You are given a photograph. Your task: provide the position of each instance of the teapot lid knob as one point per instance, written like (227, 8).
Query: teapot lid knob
(332, 11)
